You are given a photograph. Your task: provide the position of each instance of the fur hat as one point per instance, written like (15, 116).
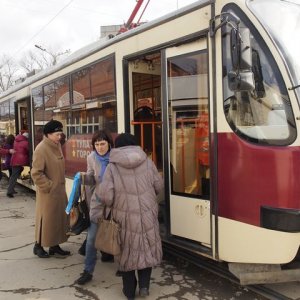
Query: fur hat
(53, 126)
(125, 139)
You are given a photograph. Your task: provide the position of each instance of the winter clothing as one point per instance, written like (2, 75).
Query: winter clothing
(7, 165)
(21, 156)
(130, 185)
(53, 126)
(19, 159)
(48, 174)
(94, 173)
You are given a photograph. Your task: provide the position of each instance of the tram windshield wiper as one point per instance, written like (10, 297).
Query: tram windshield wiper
(294, 87)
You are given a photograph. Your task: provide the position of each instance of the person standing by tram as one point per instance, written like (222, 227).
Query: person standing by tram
(130, 187)
(97, 161)
(18, 160)
(48, 174)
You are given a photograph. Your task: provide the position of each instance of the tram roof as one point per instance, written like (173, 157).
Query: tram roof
(103, 43)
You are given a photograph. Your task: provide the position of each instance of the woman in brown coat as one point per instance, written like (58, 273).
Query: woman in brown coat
(48, 174)
(130, 185)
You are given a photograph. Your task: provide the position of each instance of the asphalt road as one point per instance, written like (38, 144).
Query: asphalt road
(25, 276)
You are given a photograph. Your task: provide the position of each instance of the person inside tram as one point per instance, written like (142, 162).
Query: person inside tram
(136, 211)
(18, 160)
(97, 161)
(48, 175)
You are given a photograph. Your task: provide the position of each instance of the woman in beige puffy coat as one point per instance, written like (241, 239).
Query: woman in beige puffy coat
(130, 186)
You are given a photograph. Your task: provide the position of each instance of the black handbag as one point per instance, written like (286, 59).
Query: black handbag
(79, 215)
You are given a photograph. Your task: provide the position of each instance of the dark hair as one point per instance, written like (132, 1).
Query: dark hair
(10, 139)
(125, 139)
(102, 135)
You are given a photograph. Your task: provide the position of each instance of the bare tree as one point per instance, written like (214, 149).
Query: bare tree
(41, 59)
(8, 72)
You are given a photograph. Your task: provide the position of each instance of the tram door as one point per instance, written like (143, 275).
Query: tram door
(188, 134)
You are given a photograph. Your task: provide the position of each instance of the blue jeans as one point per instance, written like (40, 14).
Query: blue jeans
(90, 250)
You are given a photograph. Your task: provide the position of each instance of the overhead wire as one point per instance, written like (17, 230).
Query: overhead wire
(43, 27)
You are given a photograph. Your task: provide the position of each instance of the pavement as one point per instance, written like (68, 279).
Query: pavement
(24, 276)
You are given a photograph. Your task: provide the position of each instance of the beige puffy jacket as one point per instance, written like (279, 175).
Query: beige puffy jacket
(130, 186)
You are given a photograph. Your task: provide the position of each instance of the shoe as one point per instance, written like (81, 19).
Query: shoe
(10, 195)
(15, 192)
(39, 251)
(144, 292)
(81, 250)
(84, 278)
(128, 298)
(57, 250)
(105, 257)
(119, 273)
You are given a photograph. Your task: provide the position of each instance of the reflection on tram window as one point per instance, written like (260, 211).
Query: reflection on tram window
(189, 124)
(7, 116)
(91, 107)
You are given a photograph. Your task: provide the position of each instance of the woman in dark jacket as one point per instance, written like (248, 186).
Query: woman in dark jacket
(130, 186)
(9, 144)
(19, 159)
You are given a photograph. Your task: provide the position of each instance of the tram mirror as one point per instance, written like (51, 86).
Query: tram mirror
(259, 91)
(241, 53)
(241, 77)
(241, 81)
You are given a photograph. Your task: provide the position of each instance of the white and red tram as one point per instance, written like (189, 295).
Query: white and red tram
(212, 92)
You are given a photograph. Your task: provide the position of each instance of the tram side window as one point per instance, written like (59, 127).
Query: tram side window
(92, 106)
(263, 114)
(7, 117)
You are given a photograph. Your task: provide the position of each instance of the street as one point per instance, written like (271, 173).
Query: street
(25, 276)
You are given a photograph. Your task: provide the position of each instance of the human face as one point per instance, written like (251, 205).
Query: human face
(55, 137)
(101, 147)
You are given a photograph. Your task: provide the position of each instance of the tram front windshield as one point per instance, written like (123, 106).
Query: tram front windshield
(282, 21)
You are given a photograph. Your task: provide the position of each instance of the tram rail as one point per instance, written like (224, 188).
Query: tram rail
(220, 269)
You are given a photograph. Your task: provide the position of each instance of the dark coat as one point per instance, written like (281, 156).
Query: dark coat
(21, 156)
(48, 174)
(130, 186)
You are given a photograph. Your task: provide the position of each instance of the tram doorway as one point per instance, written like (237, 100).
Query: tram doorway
(178, 83)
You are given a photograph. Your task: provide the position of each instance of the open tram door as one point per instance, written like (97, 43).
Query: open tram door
(186, 122)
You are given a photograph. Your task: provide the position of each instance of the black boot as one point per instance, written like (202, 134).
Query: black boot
(84, 278)
(39, 251)
(57, 250)
(81, 250)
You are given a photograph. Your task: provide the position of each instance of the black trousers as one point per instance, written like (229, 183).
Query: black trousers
(130, 282)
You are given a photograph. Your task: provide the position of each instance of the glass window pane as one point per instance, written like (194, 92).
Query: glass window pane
(103, 79)
(49, 96)
(81, 86)
(189, 123)
(62, 88)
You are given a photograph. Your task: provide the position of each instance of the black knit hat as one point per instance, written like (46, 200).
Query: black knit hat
(53, 126)
(125, 139)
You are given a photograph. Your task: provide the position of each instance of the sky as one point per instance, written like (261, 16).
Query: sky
(62, 25)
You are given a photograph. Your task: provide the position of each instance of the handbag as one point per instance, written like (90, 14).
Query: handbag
(108, 235)
(79, 214)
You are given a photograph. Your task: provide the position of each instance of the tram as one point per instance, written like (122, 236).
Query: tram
(212, 93)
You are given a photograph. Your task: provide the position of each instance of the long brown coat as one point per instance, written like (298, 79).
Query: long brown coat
(130, 186)
(48, 174)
